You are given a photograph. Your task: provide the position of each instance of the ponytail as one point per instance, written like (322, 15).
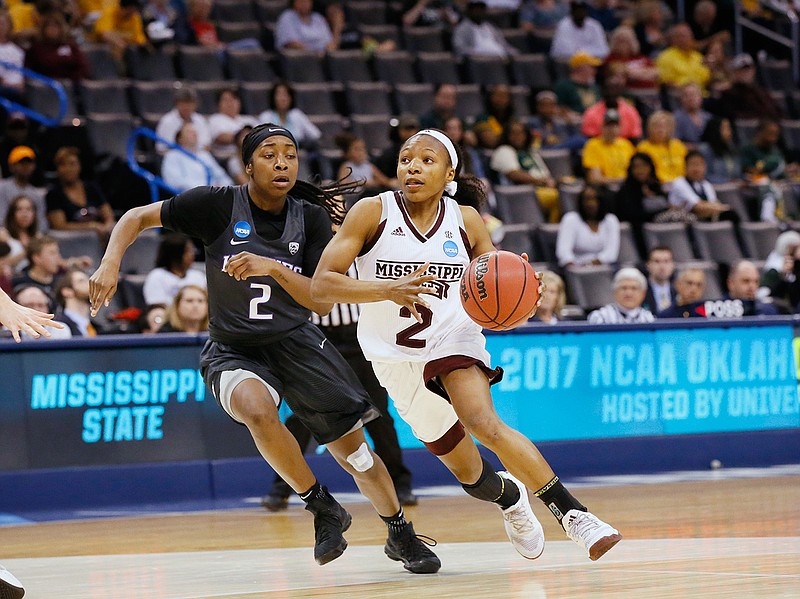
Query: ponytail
(327, 195)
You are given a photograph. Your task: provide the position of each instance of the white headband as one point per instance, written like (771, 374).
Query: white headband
(451, 187)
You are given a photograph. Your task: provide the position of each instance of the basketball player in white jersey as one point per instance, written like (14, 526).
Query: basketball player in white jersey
(411, 248)
(18, 318)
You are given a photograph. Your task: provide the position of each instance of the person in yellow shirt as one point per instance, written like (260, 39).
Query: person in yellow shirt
(667, 153)
(25, 17)
(681, 63)
(606, 157)
(120, 26)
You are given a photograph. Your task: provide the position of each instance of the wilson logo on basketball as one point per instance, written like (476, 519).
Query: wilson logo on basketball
(481, 268)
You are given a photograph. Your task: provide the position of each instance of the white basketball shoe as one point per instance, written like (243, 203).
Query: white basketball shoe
(10, 587)
(523, 529)
(591, 533)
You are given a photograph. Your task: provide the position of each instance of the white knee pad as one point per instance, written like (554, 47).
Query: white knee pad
(361, 458)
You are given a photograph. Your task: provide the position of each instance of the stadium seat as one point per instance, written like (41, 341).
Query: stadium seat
(423, 39)
(776, 74)
(234, 32)
(558, 161)
(373, 129)
(255, 97)
(151, 66)
(330, 125)
(79, 243)
(628, 253)
(394, 67)
(233, 11)
(199, 63)
(672, 235)
(369, 98)
(546, 236)
(716, 241)
(104, 97)
(531, 70)
(152, 97)
(140, 257)
(108, 133)
(102, 63)
(367, 12)
(348, 65)
(731, 194)
(317, 98)
(382, 33)
(745, 129)
(469, 101)
(590, 286)
(518, 238)
(517, 204)
(42, 98)
(268, 11)
(300, 66)
(415, 98)
(207, 93)
(791, 134)
(249, 64)
(437, 68)
(486, 70)
(520, 97)
(517, 38)
(758, 239)
(131, 288)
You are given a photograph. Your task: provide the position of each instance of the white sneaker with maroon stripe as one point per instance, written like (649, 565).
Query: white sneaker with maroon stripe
(591, 533)
(522, 527)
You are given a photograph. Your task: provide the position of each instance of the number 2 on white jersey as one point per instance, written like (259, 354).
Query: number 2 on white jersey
(266, 292)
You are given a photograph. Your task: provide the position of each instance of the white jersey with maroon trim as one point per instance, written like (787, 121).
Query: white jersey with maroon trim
(388, 332)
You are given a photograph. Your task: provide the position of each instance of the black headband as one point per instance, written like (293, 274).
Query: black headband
(257, 136)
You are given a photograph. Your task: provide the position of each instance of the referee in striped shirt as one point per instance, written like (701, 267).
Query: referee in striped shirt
(339, 327)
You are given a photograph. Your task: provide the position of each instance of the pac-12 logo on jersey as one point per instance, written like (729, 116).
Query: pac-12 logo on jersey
(450, 248)
(293, 247)
(242, 229)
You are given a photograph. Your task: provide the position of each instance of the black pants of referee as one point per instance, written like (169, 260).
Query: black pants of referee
(381, 430)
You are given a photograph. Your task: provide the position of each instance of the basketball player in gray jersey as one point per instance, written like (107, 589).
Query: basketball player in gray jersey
(263, 241)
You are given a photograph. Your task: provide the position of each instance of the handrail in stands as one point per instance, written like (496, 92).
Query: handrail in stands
(154, 181)
(741, 21)
(56, 86)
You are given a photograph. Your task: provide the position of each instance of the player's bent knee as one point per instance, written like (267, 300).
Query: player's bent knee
(361, 459)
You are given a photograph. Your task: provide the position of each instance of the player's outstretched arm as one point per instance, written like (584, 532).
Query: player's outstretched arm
(18, 318)
(103, 283)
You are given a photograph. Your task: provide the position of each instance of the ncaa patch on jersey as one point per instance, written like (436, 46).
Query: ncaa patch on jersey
(241, 229)
(450, 248)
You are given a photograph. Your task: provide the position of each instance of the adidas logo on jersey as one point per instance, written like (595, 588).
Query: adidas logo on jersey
(399, 232)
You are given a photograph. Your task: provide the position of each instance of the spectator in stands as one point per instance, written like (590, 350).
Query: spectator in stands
(185, 111)
(743, 282)
(21, 225)
(629, 289)
(72, 297)
(475, 35)
(607, 156)
(430, 13)
(181, 171)
(721, 151)
(151, 319)
(660, 268)
(19, 132)
(44, 258)
(188, 312)
(706, 27)
(400, 130)
(163, 23)
(32, 296)
(668, 153)
(300, 28)
(690, 288)
(120, 26)
(55, 54)
(629, 121)
(474, 163)
(202, 30)
(640, 70)
(605, 13)
(357, 165)
(518, 162)
(444, 106)
(718, 64)
(12, 83)
(651, 16)
(348, 36)
(284, 112)
(75, 204)
(746, 99)
(227, 122)
(690, 118)
(578, 91)
(765, 167)
(500, 109)
(541, 17)
(781, 270)
(485, 136)
(590, 235)
(578, 33)
(235, 166)
(694, 193)
(25, 18)
(22, 163)
(176, 254)
(549, 128)
(640, 199)
(680, 63)
(553, 300)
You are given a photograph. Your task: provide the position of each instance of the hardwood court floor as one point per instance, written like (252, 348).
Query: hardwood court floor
(704, 539)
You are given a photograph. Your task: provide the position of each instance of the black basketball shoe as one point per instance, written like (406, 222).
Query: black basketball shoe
(331, 520)
(408, 547)
(10, 587)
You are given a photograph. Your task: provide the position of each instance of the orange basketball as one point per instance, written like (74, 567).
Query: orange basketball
(499, 289)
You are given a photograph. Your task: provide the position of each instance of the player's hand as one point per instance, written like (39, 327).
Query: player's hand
(19, 318)
(542, 288)
(407, 291)
(244, 265)
(102, 286)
